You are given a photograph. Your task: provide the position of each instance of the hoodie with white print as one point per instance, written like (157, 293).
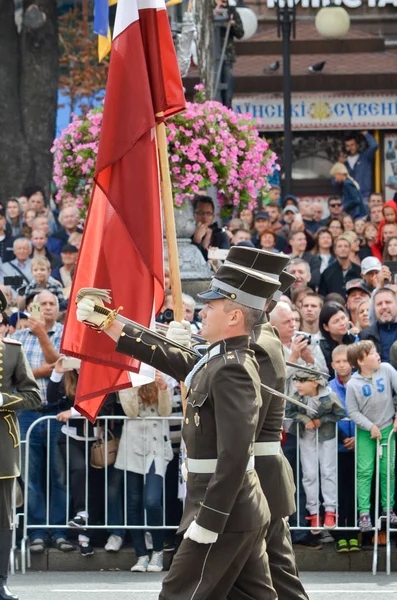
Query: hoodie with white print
(369, 401)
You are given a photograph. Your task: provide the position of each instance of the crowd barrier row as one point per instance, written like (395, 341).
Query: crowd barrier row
(162, 423)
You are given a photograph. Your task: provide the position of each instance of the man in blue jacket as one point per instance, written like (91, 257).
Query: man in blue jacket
(360, 163)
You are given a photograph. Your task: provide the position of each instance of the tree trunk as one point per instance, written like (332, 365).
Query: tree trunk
(29, 82)
(204, 18)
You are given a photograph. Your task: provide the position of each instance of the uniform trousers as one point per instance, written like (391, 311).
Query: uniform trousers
(313, 456)
(282, 563)
(6, 487)
(236, 566)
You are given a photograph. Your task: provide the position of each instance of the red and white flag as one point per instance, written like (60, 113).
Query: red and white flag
(122, 248)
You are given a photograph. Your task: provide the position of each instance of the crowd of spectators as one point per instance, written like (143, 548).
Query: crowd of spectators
(344, 260)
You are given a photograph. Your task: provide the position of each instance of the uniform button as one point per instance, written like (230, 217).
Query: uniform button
(154, 424)
(187, 420)
(155, 439)
(153, 347)
(152, 410)
(138, 340)
(122, 334)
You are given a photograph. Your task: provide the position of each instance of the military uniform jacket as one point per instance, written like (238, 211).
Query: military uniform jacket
(274, 472)
(20, 392)
(220, 423)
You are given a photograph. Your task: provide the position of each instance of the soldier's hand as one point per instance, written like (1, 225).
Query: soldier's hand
(64, 416)
(85, 312)
(58, 366)
(180, 333)
(200, 534)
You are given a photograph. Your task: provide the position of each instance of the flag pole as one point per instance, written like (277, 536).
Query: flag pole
(170, 230)
(169, 219)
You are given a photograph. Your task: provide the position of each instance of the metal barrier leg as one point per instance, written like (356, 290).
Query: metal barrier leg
(389, 507)
(377, 524)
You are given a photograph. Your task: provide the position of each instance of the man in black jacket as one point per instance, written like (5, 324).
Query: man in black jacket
(335, 277)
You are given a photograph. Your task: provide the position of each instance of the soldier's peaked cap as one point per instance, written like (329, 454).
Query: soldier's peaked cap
(244, 286)
(286, 280)
(268, 263)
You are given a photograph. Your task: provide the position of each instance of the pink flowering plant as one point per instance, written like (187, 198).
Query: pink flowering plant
(211, 145)
(75, 155)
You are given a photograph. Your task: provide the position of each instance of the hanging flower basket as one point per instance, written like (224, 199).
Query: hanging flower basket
(75, 155)
(209, 145)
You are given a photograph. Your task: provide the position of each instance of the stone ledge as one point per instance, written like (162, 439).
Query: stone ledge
(308, 560)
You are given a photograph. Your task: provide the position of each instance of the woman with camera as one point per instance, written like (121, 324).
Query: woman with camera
(144, 453)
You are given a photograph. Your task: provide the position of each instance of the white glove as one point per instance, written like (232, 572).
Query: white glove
(180, 333)
(184, 471)
(200, 534)
(85, 312)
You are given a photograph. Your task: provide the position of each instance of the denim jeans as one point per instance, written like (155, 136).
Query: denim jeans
(40, 447)
(115, 501)
(147, 496)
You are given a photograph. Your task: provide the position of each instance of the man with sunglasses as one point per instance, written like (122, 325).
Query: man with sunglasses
(335, 208)
(207, 233)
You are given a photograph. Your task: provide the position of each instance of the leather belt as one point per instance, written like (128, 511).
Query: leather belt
(208, 465)
(267, 448)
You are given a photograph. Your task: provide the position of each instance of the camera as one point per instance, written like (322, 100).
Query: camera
(166, 317)
(306, 336)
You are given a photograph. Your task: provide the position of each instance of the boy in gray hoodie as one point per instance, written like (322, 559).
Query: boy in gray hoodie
(320, 451)
(369, 400)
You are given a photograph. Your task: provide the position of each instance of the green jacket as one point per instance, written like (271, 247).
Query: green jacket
(19, 391)
(329, 411)
(236, 31)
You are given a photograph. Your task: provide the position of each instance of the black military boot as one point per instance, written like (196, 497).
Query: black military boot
(5, 548)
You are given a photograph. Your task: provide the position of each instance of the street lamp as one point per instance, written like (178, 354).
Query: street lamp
(286, 21)
(332, 22)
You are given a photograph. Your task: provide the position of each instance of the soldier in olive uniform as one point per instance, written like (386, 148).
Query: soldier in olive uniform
(18, 391)
(226, 514)
(273, 468)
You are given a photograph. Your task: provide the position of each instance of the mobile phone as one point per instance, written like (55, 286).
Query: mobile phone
(306, 336)
(217, 254)
(35, 310)
(69, 362)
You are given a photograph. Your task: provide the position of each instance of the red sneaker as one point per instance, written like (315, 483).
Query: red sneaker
(330, 520)
(315, 521)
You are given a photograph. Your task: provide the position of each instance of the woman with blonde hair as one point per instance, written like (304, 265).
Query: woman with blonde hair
(351, 197)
